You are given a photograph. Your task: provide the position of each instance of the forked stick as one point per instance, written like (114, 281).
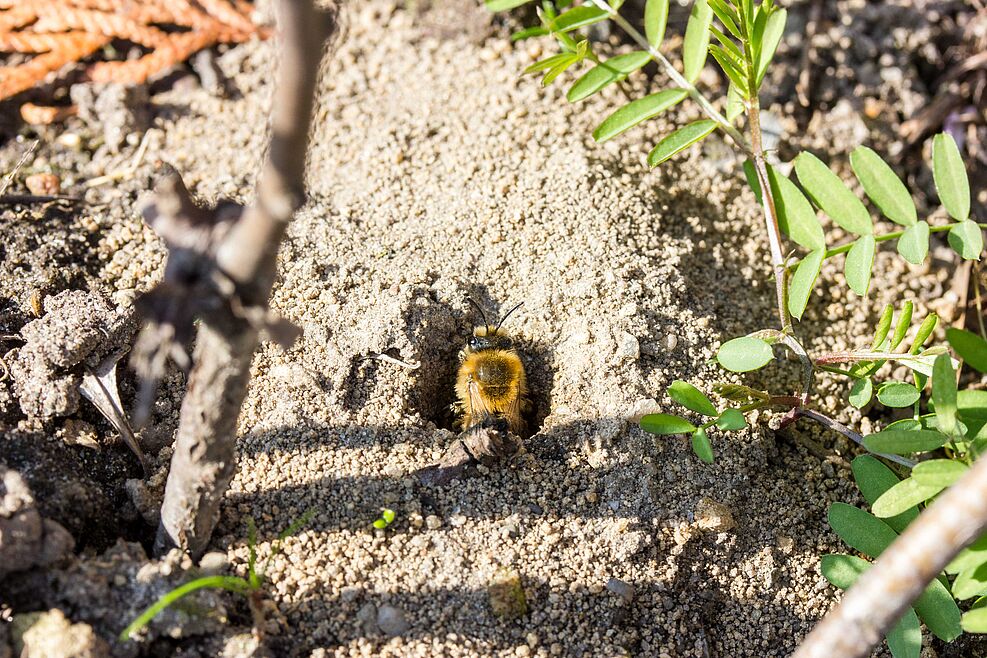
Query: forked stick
(238, 265)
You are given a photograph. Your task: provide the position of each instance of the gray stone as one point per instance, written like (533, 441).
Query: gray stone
(391, 621)
(625, 591)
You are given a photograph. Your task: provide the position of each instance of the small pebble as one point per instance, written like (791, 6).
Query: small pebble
(623, 590)
(714, 516)
(392, 621)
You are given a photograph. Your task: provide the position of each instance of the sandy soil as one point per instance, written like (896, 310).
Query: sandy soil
(437, 174)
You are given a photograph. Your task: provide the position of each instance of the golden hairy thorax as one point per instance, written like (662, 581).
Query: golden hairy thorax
(491, 383)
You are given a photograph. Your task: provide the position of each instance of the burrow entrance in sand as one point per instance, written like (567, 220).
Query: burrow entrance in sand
(434, 390)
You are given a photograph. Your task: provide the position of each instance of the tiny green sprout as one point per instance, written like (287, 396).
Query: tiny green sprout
(249, 586)
(387, 517)
(693, 399)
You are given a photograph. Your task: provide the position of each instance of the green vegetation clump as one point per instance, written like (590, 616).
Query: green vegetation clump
(947, 428)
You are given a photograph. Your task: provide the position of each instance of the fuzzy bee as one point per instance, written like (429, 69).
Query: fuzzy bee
(491, 386)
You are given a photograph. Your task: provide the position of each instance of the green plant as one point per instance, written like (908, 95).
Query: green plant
(950, 436)
(742, 36)
(250, 586)
(693, 399)
(386, 518)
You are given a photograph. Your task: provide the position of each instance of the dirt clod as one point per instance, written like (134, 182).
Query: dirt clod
(77, 326)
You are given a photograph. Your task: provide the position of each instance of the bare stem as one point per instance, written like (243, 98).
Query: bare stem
(836, 426)
(902, 572)
(205, 456)
(770, 215)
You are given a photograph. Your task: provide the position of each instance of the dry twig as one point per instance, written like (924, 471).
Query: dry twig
(221, 267)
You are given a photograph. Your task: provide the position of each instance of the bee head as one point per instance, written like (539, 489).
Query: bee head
(486, 337)
(489, 338)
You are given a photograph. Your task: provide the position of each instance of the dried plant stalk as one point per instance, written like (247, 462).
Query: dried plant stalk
(59, 18)
(245, 257)
(15, 79)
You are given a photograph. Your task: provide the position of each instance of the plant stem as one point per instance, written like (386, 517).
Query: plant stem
(894, 235)
(770, 215)
(677, 78)
(204, 460)
(837, 426)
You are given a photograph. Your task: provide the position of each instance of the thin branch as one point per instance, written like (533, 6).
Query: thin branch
(770, 216)
(899, 576)
(836, 426)
(236, 268)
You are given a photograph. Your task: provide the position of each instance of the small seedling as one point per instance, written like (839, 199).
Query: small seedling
(250, 586)
(693, 399)
(387, 517)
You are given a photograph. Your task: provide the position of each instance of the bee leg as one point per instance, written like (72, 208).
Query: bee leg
(462, 355)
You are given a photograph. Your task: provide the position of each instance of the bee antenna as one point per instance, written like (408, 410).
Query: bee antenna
(507, 315)
(482, 314)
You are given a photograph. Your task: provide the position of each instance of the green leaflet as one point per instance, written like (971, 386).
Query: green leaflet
(796, 218)
(902, 497)
(696, 42)
(773, 31)
(967, 240)
(691, 398)
(666, 424)
(950, 176)
(971, 347)
(859, 263)
(680, 140)
(578, 17)
(804, 279)
(701, 446)
(904, 442)
(601, 75)
(914, 244)
(829, 193)
(860, 530)
(636, 112)
(744, 354)
(504, 5)
(883, 187)
(655, 20)
(873, 478)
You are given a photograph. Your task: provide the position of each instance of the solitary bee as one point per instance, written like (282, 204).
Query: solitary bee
(491, 386)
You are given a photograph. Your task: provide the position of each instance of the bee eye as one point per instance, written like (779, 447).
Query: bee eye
(473, 342)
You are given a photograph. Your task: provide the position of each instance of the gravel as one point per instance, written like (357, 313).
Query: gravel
(435, 174)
